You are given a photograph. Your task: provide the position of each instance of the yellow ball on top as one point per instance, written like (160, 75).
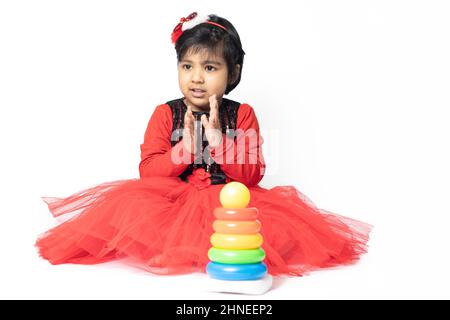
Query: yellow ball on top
(234, 195)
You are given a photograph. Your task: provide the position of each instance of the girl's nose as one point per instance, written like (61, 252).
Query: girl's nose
(197, 76)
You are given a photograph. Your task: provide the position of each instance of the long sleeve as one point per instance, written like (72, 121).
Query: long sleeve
(242, 160)
(158, 157)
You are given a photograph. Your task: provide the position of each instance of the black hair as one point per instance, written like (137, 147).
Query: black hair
(214, 38)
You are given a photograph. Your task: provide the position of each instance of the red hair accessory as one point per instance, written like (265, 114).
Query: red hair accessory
(189, 22)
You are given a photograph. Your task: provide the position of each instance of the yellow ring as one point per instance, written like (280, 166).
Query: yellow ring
(236, 241)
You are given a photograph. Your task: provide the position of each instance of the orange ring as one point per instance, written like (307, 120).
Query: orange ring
(236, 227)
(222, 213)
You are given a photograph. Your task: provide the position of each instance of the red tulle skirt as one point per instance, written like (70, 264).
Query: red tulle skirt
(164, 224)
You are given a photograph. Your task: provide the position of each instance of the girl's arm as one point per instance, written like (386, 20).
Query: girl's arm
(242, 159)
(157, 153)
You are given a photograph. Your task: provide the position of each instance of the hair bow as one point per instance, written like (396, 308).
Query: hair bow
(178, 30)
(189, 22)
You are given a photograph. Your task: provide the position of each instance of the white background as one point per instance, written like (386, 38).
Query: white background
(352, 98)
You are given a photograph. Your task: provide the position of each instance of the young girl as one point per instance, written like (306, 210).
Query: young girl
(192, 147)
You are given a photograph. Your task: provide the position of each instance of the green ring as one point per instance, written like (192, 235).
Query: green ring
(236, 256)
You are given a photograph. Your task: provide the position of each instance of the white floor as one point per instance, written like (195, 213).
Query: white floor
(381, 274)
(39, 280)
(33, 278)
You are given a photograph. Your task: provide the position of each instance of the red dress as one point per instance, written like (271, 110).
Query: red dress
(162, 223)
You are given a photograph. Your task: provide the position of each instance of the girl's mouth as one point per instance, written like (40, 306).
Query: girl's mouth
(198, 93)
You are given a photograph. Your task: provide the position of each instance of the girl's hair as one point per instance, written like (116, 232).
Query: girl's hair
(214, 39)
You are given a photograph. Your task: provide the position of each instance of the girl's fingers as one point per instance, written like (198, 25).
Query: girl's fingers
(189, 117)
(212, 99)
(214, 111)
(189, 110)
(204, 121)
(186, 115)
(213, 104)
(214, 120)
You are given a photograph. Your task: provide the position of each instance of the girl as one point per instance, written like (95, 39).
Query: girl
(192, 147)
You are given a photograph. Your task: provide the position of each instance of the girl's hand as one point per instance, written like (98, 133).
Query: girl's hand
(189, 140)
(213, 130)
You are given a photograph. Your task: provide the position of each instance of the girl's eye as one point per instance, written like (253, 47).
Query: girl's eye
(210, 68)
(186, 66)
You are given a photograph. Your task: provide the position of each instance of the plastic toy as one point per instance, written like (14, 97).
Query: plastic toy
(237, 259)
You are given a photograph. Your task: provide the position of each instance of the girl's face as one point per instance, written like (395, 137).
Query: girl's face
(200, 75)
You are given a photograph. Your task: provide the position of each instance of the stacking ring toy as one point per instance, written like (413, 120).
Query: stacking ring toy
(237, 227)
(236, 241)
(223, 271)
(222, 213)
(236, 256)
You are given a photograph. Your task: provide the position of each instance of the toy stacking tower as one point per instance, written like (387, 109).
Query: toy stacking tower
(236, 256)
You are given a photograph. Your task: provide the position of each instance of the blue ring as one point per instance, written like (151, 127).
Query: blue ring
(222, 271)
